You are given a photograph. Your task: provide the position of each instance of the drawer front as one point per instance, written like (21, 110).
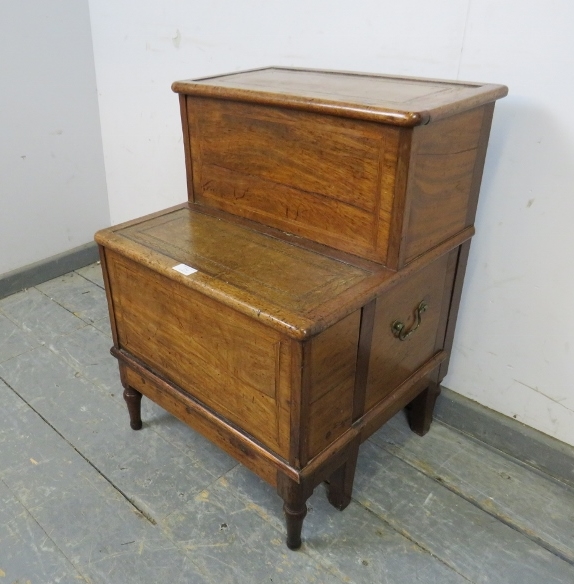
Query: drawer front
(231, 363)
(322, 177)
(393, 360)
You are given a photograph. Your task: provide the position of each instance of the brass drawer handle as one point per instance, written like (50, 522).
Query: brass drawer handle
(398, 327)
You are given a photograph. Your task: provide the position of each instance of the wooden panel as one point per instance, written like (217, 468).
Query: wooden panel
(332, 365)
(393, 361)
(440, 181)
(330, 416)
(334, 355)
(266, 268)
(317, 176)
(324, 220)
(212, 426)
(317, 154)
(226, 360)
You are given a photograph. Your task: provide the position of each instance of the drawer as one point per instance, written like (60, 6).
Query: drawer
(392, 360)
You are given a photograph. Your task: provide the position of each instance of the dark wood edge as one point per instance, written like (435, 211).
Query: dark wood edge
(401, 207)
(329, 457)
(108, 287)
(217, 429)
(196, 153)
(334, 458)
(454, 306)
(448, 287)
(479, 162)
(186, 146)
(399, 398)
(408, 197)
(363, 357)
(469, 231)
(303, 431)
(296, 399)
(331, 108)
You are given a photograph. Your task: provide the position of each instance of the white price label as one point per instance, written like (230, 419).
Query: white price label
(185, 270)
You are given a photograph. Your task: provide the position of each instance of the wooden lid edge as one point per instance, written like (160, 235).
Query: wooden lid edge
(333, 108)
(293, 325)
(483, 95)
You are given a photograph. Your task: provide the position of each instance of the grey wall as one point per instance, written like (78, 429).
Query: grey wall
(52, 180)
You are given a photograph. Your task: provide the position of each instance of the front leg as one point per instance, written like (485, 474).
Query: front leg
(133, 400)
(294, 497)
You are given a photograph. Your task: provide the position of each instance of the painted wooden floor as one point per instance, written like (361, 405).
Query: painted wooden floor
(85, 499)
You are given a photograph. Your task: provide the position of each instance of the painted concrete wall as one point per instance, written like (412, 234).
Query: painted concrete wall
(52, 180)
(514, 344)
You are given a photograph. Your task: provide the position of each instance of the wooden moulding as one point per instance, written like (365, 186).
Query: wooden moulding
(247, 449)
(264, 86)
(217, 429)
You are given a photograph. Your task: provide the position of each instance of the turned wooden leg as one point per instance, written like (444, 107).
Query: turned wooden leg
(294, 520)
(134, 399)
(420, 410)
(340, 487)
(294, 497)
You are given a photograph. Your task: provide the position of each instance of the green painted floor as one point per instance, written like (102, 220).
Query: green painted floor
(85, 499)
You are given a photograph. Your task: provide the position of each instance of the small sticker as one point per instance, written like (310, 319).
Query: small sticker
(185, 270)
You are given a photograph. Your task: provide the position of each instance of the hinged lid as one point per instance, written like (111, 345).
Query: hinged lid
(398, 101)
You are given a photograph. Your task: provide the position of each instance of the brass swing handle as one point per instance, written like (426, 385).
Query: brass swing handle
(398, 327)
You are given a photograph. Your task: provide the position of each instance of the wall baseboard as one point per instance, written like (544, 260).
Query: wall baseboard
(526, 444)
(28, 276)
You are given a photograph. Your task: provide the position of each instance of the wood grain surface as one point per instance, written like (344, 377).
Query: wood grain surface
(369, 187)
(323, 208)
(395, 100)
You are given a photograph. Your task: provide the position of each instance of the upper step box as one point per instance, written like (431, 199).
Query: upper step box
(381, 167)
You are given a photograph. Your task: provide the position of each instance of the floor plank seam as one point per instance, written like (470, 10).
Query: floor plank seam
(306, 548)
(533, 538)
(29, 513)
(508, 456)
(115, 487)
(407, 536)
(87, 279)
(85, 322)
